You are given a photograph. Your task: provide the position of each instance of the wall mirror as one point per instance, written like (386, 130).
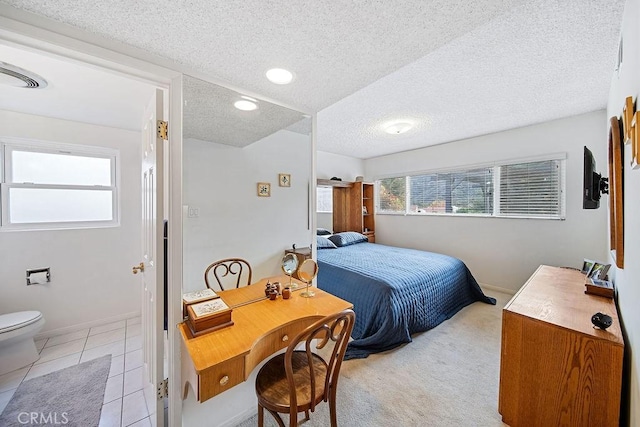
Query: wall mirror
(227, 152)
(616, 196)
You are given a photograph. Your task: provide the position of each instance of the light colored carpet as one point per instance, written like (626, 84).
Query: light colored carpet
(448, 376)
(71, 397)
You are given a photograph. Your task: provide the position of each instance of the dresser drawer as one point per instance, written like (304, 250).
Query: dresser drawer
(221, 378)
(274, 341)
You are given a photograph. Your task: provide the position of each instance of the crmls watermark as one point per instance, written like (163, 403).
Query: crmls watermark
(40, 418)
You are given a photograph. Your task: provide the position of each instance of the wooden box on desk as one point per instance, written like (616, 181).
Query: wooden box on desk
(195, 297)
(208, 316)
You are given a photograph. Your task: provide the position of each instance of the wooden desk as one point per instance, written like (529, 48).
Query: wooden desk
(215, 362)
(555, 368)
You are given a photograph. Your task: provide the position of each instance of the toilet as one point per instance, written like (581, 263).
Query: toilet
(17, 347)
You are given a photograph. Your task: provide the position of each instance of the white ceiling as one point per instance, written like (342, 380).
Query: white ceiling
(75, 92)
(457, 68)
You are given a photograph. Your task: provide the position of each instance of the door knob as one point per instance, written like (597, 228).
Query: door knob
(137, 268)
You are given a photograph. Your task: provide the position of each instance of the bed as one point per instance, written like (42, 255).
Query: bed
(395, 292)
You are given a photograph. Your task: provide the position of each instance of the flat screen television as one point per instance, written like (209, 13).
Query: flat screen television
(594, 183)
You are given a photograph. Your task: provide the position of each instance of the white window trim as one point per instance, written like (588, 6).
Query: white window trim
(496, 193)
(9, 144)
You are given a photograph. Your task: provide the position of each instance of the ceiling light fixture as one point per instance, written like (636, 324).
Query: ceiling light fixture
(19, 77)
(246, 104)
(398, 128)
(279, 76)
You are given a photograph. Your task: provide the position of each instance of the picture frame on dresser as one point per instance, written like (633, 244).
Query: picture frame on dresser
(598, 271)
(587, 265)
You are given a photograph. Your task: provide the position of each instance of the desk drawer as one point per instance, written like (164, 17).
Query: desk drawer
(275, 340)
(221, 378)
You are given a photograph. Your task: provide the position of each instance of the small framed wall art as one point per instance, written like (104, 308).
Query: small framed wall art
(635, 141)
(284, 180)
(627, 118)
(264, 189)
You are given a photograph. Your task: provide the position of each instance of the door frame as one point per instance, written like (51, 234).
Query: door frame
(27, 31)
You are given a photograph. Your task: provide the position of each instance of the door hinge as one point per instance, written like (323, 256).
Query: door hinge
(163, 130)
(163, 389)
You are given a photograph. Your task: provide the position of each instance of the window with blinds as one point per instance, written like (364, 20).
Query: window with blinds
(531, 189)
(324, 199)
(392, 195)
(526, 189)
(469, 192)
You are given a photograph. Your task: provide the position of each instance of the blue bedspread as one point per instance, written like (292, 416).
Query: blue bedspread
(395, 291)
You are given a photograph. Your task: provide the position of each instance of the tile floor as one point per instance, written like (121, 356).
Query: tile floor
(124, 401)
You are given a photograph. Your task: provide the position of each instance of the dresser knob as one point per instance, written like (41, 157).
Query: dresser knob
(285, 338)
(224, 380)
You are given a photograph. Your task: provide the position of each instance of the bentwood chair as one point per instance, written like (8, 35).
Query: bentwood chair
(227, 273)
(298, 380)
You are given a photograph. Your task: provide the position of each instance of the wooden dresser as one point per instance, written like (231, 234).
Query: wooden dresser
(555, 368)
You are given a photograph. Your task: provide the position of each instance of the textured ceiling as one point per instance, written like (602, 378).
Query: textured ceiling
(333, 47)
(209, 115)
(539, 62)
(457, 68)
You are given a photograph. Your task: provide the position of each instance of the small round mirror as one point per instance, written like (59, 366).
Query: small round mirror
(289, 264)
(307, 272)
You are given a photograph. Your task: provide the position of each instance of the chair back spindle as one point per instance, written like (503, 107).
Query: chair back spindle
(229, 272)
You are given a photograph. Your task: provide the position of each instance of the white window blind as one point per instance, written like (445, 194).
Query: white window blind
(467, 191)
(531, 189)
(527, 189)
(324, 199)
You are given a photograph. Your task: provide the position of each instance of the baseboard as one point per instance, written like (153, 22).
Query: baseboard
(86, 325)
(497, 288)
(240, 418)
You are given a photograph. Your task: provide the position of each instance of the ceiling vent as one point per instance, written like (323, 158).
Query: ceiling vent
(19, 77)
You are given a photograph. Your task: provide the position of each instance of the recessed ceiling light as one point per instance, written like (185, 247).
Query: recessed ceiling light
(279, 76)
(245, 105)
(398, 128)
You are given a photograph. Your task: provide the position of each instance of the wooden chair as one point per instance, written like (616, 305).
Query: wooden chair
(226, 271)
(286, 384)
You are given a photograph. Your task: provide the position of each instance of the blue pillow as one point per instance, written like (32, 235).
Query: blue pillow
(323, 232)
(324, 243)
(347, 238)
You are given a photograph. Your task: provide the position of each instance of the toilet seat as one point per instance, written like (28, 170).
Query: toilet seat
(12, 321)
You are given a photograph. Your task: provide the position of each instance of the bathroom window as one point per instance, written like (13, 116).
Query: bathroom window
(51, 185)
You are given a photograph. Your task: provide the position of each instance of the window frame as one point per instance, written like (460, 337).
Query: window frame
(9, 145)
(561, 157)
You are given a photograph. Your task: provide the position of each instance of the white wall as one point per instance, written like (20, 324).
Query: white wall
(627, 280)
(504, 252)
(91, 278)
(220, 181)
(331, 165)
